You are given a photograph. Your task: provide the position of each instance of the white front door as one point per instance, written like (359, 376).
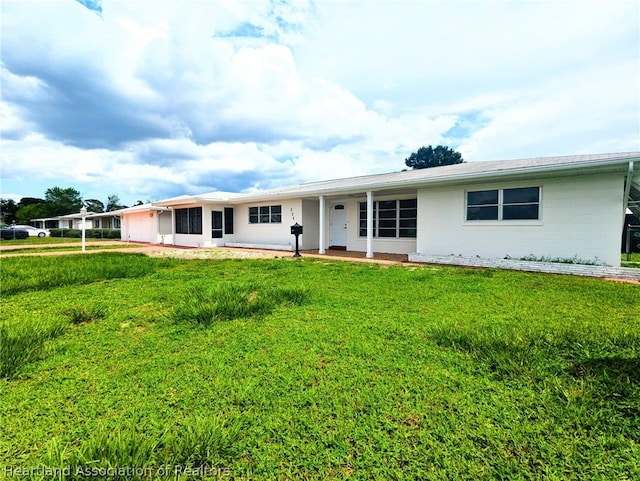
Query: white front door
(338, 226)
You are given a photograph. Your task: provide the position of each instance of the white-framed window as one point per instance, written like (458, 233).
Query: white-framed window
(521, 203)
(265, 214)
(391, 218)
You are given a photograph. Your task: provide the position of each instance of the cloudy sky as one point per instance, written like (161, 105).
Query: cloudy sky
(151, 99)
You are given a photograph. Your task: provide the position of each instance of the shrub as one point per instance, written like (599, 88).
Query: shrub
(71, 233)
(111, 233)
(89, 233)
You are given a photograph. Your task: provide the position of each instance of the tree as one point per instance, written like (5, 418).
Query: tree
(63, 201)
(30, 200)
(30, 208)
(8, 209)
(27, 212)
(113, 203)
(427, 157)
(94, 205)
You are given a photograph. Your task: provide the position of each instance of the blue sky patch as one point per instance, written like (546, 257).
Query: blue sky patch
(466, 125)
(244, 30)
(94, 5)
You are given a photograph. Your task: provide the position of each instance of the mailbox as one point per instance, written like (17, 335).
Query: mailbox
(296, 229)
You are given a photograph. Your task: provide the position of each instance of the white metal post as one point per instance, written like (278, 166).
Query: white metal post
(83, 213)
(369, 225)
(321, 240)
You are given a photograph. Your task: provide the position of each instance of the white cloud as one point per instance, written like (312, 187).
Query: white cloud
(158, 99)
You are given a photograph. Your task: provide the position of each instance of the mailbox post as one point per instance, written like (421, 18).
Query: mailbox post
(296, 230)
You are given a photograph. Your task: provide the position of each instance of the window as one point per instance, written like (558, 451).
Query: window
(228, 220)
(216, 224)
(266, 214)
(189, 221)
(482, 205)
(504, 204)
(391, 218)
(521, 203)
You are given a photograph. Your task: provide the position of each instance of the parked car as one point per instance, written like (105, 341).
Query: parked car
(33, 231)
(9, 233)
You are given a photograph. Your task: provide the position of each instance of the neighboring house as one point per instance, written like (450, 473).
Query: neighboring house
(103, 220)
(560, 207)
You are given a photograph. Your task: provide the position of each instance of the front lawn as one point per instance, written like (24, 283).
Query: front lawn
(65, 248)
(316, 369)
(51, 240)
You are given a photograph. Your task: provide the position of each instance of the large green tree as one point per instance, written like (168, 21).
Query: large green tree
(113, 203)
(426, 157)
(94, 205)
(32, 211)
(63, 201)
(31, 208)
(8, 209)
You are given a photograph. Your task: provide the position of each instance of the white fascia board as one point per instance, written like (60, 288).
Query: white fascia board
(139, 208)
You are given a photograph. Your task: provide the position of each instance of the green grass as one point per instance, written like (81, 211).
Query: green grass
(25, 274)
(633, 262)
(313, 369)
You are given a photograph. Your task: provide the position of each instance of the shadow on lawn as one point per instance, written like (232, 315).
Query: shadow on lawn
(616, 381)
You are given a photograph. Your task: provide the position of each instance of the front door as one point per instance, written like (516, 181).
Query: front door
(338, 226)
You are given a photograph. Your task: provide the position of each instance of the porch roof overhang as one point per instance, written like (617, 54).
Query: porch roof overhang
(217, 197)
(142, 208)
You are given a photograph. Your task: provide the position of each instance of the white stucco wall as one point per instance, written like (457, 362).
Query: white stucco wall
(269, 234)
(579, 216)
(311, 224)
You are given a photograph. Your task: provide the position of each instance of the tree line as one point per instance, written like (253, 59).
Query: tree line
(57, 201)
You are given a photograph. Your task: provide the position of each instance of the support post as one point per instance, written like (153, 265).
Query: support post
(83, 213)
(321, 249)
(369, 225)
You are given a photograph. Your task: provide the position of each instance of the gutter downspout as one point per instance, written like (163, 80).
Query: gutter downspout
(627, 190)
